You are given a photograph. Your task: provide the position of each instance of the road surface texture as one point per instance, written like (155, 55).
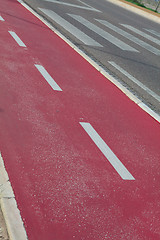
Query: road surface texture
(82, 158)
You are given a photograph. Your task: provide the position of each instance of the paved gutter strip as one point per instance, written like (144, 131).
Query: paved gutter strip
(14, 223)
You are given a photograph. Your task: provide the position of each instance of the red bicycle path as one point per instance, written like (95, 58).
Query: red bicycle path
(64, 186)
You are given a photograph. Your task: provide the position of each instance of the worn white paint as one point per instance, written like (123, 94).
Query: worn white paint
(73, 5)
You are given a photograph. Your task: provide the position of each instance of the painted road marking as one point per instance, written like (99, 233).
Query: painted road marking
(88, 6)
(17, 39)
(48, 78)
(133, 79)
(70, 28)
(130, 37)
(155, 40)
(153, 32)
(73, 5)
(1, 19)
(103, 33)
(112, 158)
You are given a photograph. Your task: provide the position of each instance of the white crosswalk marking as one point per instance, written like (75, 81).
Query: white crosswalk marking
(153, 32)
(130, 37)
(73, 5)
(70, 28)
(155, 40)
(103, 34)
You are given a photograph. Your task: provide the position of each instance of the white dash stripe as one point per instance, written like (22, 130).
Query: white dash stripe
(133, 79)
(112, 158)
(1, 19)
(17, 39)
(48, 78)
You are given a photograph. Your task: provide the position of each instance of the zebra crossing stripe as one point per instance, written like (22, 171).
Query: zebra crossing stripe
(103, 33)
(155, 40)
(130, 37)
(70, 28)
(153, 32)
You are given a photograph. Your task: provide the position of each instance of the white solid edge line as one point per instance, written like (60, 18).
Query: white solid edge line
(17, 39)
(96, 66)
(133, 79)
(48, 78)
(1, 19)
(104, 148)
(11, 213)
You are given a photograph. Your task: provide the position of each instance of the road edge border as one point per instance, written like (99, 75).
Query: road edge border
(14, 224)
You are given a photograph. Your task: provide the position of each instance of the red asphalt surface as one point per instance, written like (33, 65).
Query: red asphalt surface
(65, 187)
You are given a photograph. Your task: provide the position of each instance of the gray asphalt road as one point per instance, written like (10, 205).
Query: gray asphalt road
(125, 44)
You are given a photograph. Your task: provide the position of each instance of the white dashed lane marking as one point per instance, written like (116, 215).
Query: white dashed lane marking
(17, 39)
(1, 19)
(111, 157)
(48, 78)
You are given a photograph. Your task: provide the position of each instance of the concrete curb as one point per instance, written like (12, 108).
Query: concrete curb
(136, 9)
(11, 213)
